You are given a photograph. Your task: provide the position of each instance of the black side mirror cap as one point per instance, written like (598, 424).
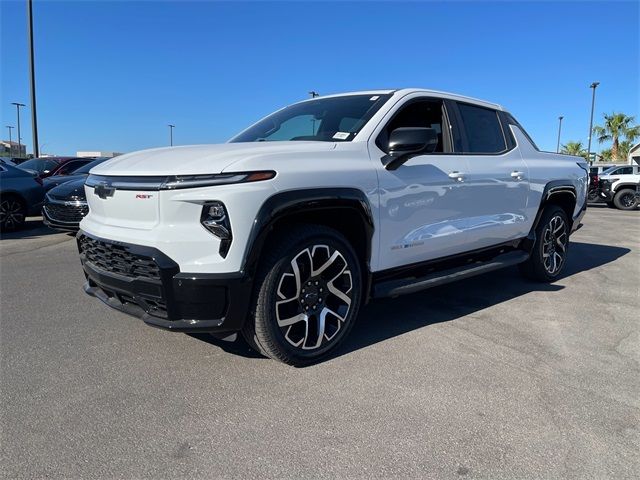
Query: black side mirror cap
(407, 142)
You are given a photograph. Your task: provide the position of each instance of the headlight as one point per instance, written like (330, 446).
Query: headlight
(174, 182)
(193, 181)
(215, 219)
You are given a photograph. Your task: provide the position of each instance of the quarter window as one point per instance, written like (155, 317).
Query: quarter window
(482, 129)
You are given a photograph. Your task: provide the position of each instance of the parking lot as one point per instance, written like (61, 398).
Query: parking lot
(493, 377)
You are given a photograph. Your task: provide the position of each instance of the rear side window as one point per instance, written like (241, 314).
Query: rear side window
(482, 129)
(70, 167)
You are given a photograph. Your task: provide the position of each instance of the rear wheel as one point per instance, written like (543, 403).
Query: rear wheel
(307, 296)
(13, 212)
(549, 253)
(625, 199)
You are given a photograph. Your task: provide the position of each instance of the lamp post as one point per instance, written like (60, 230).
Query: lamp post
(559, 130)
(32, 82)
(314, 94)
(9, 127)
(594, 85)
(18, 105)
(171, 127)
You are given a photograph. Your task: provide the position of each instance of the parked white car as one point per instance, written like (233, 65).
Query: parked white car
(283, 232)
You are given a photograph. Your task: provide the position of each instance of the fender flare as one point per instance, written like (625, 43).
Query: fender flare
(552, 188)
(620, 185)
(283, 204)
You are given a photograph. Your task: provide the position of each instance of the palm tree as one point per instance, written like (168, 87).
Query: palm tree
(605, 155)
(574, 148)
(617, 127)
(623, 149)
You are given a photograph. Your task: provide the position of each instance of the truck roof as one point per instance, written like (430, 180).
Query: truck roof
(406, 91)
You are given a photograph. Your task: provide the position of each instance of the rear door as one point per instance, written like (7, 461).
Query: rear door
(496, 180)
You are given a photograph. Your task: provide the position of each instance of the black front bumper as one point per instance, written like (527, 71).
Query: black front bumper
(58, 225)
(165, 298)
(605, 191)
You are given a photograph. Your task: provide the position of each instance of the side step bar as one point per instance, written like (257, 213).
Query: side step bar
(402, 286)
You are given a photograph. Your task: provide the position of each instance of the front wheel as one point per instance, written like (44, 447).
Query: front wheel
(307, 295)
(549, 254)
(625, 199)
(13, 213)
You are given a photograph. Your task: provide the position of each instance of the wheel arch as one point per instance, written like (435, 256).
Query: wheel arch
(625, 186)
(563, 194)
(346, 210)
(13, 193)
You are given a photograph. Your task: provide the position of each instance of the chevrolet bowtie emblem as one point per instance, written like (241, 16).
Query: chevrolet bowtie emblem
(104, 190)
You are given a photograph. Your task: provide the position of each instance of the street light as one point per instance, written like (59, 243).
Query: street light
(559, 130)
(32, 82)
(9, 127)
(594, 85)
(314, 94)
(171, 127)
(18, 105)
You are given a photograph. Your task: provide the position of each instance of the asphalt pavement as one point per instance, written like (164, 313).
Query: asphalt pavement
(492, 377)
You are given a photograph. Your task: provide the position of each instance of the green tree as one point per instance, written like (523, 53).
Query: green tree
(623, 149)
(574, 148)
(605, 155)
(617, 128)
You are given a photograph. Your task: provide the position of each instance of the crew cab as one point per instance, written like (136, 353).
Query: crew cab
(282, 233)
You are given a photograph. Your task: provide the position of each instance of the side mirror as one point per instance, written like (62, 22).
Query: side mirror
(407, 142)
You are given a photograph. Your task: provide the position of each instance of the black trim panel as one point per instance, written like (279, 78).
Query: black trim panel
(429, 267)
(393, 288)
(177, 301)
(281, 205)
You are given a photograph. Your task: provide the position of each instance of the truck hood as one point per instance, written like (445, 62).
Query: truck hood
(200, 159)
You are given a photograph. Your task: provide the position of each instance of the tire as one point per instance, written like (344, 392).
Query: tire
(13, 213)
(306, 297)
(549, 253)
(625, 199)
(593, 196)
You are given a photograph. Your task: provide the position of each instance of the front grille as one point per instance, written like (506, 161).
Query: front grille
(66, 213)
(118, 259)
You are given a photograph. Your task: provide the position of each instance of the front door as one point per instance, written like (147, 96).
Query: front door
(423, 202)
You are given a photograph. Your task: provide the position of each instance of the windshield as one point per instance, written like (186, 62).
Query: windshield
(332, 119)
(39, 164)
(89, 166)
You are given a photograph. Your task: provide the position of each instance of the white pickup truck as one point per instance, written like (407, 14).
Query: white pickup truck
(619, 187)
(286, 230)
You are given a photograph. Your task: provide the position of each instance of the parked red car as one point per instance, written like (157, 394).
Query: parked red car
(48, 166)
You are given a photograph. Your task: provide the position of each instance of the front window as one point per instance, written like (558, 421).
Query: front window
(331, 119)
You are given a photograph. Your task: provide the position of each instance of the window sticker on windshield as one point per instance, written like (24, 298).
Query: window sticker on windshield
(341, 135)
(375, 97)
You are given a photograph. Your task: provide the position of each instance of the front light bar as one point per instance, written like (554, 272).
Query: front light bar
(175, 182)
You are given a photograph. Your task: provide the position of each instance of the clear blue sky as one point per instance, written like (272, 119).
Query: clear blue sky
(112, 75)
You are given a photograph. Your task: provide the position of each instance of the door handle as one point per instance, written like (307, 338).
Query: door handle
(516, 175)
(458, 176)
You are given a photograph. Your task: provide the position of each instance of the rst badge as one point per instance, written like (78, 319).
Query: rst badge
(143, 196)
